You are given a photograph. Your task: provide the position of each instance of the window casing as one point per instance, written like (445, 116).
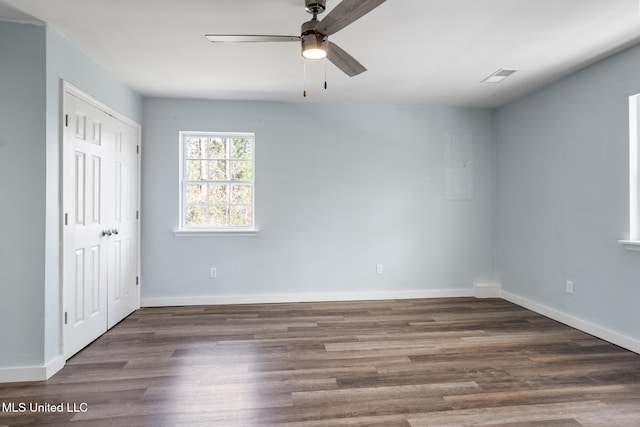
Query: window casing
(633, 242)
(217, 181)
(634, 165)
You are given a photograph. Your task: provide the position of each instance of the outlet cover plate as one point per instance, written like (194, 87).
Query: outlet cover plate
(570, 287)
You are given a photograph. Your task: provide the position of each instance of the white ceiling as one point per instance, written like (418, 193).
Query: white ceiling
(426, 52)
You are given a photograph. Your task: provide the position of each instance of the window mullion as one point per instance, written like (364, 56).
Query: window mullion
(229, 142)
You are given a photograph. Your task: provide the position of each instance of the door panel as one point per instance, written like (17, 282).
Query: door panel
(123, 261)
(84, 248)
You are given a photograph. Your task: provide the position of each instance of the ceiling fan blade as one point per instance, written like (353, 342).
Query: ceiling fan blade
(344, 61)
(344, 14)
(246, 38)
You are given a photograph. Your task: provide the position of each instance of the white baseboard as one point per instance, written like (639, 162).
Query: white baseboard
(32, 373)
(575, 322)
(311, 297)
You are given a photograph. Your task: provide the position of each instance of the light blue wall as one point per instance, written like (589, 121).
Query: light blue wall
(562, 195)
(33, 59)
(22, 193)
(339, 189)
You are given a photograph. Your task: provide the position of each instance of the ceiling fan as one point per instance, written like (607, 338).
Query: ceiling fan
(314, 37)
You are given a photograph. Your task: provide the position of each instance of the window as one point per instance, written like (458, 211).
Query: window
(634, 177)
(217, 181)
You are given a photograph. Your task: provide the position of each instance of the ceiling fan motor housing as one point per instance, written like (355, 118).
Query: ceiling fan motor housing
(315, 6)
(310, 38)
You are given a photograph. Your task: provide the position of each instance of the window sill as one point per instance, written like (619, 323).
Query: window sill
(211, 232)
(630, 245)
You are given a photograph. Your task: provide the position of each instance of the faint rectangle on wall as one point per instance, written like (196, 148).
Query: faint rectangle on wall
(458, 166)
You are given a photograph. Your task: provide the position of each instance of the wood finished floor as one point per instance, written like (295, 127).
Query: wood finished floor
(427, 362)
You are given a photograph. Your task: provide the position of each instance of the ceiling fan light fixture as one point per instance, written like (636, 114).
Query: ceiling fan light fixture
(314, 45)
(314, 53)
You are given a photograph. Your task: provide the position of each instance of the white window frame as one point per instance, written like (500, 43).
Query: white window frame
(184, 230)
(633, 243)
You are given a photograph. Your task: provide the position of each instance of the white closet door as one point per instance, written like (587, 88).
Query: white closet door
(100, 229)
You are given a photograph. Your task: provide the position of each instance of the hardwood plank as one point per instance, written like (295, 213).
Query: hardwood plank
(522, 414)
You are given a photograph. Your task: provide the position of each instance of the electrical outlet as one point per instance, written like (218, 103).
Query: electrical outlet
(569, 287)
(213, 273)
(379, 269)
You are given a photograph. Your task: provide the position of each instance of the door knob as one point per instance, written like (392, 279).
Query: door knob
(106, 232)
(115, 231)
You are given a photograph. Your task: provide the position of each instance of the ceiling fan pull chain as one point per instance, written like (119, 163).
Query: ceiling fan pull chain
(325, 73)
(304, 68)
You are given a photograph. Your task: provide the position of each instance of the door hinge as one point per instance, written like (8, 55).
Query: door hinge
(65, 317)
(137, 280)
(66, 219)
(137, 149)
(66, 120)
(137, 214)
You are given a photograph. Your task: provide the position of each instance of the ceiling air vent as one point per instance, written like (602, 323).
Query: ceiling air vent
(499, 76)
